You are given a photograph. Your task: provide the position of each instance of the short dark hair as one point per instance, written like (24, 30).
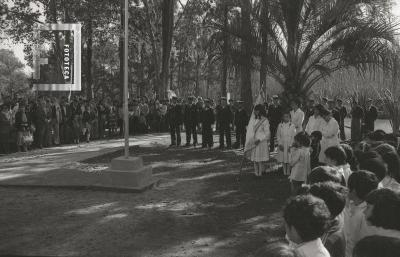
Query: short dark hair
(333, 194)
(276, 249)
(392, 161)
(362, 182)
(325, 174)
(296, 101)
(317, 135)
(302, 138)
(337, 154)
(375, 165)
(373, 246)
(377, 135)
(350, 157)
(308, 214)
(386, 211)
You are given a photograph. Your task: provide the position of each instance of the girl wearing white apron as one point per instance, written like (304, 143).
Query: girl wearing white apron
(285, 137)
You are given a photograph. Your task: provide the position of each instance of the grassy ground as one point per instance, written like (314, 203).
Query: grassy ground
(201, 207)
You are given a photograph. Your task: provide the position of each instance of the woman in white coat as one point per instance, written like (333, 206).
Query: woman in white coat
(257, 143)
(330, 133)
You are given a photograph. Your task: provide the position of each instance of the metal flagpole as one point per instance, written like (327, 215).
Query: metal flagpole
(126, 118)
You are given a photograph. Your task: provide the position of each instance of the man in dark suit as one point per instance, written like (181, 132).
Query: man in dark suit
(342, 115)
(274, 117)
(191, 121)
(174, 119)
(371, 114)
(207, 119)
(224, 118)
(241, 121)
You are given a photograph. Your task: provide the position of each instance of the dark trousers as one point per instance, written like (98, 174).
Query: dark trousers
(207, 136)
(224, 130)
(240, 136)
(175, 131)
(273, 130)
(342, 133)
(64, 133)
(191, 131)
(40, 135)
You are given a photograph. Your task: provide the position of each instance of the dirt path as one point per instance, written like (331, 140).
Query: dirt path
(200, 208)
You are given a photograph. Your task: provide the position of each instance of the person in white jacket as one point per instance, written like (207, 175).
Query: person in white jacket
(330, 134)
(285, 138)
(297, 115)
(315, 122)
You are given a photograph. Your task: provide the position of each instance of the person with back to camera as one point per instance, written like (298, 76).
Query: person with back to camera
(336, 157)
(306, 219)
(374, 246)
(360, 184)
(299, 161)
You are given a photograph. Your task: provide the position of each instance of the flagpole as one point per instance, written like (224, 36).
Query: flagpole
(126, 117)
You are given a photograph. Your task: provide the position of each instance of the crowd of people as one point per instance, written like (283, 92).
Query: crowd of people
(345, 194)
(51, 121)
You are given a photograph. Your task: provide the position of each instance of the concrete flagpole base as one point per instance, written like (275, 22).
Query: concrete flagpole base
(129, 173)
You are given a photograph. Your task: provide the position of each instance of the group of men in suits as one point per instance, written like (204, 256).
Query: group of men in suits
(198, 114)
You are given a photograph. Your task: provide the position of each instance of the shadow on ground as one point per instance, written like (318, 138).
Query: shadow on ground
(202, 207)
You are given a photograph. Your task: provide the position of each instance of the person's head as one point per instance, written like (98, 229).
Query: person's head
(311, 103)
(276, 249)
(302, 139)
(374, 246)
(369, 101)
(335, 156)
(392, 161)
(377, 135)
(316, 136)
(350, 157)
(383, 209)
(231, 102)
(223, 101)
(384, 148)
(295, 104)
(360, 184)
(331, 104)
(306, 218)
(275, 99)
(241, 105)
(326, 174)
(324, 101)
(333, 194)
(339, 102)
(375, 165)
(207, 104)
(317, 110)
(259, 111)
(326, 115)
(286, 116)
(174, 100)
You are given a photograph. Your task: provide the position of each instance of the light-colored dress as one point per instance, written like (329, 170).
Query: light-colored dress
(300, 163)
(285, 137)
(312, 249)
(260, 128)
(314, 124)
(297, 119)
(330, 137)
(391, 183)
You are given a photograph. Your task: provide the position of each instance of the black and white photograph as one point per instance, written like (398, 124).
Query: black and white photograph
(200, 128)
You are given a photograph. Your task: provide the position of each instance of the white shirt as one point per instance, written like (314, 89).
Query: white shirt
(314, 124)
(391, 183)
(345, 171)
(312, 249)
(297, 119)
(353, 216)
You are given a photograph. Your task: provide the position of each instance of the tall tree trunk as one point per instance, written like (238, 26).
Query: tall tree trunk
(245, 76)
(197, 88)
(167, 31)
(225, 52)
(89, 60)
(57, 49)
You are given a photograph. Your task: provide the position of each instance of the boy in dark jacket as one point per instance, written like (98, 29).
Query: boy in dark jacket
(207, 119)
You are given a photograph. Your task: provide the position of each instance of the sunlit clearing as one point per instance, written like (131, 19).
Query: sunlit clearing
(252, 220)
(164, 206)
(93, 209)
(224, 193)
(114, 217)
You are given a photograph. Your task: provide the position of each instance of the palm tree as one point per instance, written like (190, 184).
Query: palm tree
(311, 39)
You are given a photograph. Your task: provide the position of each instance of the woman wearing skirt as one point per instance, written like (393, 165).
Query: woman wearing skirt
(258, 139)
